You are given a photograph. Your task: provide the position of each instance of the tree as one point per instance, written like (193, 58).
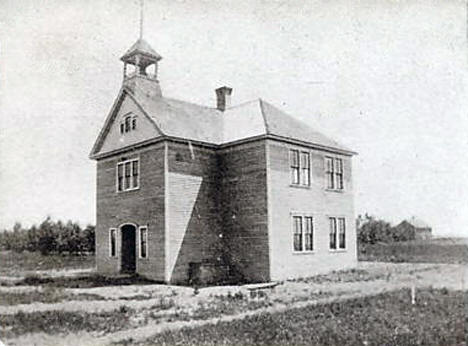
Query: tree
(50, 237)
(372, 230)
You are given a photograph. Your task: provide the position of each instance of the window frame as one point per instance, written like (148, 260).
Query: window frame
(131, 177)
(303, 217)
(300, 169)
(341, 221)
(128, 123)
(312, 231)
(140, 248)
(304, 171)
(114, 254)
(295, 170)
(337, 219)
(337, 175)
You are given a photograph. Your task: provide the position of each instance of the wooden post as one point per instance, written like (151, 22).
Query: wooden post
(413, 295)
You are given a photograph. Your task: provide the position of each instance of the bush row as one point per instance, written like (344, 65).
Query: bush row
(50, 237)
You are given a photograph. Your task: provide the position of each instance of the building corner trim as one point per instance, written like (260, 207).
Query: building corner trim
(166, 214)
(269, 208)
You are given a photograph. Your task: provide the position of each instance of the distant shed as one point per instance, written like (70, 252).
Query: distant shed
(415, 229)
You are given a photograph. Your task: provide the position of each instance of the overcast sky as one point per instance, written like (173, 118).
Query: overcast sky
(385, 78)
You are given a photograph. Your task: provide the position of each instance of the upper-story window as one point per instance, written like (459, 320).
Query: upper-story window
(300, 167)
(128, 123)
(334, 173)
(128, 175)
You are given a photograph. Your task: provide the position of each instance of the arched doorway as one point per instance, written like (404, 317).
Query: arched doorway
(128, 250)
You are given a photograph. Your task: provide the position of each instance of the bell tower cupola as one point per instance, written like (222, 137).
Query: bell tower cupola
(140, 72)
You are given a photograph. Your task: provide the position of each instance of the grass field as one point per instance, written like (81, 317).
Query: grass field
(106, 311)
(438, 318)
(41, 302)
(20, 264)
(431, 251)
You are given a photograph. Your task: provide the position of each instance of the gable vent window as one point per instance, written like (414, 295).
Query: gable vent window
(128, 175)
(128, 123)
(300, 167)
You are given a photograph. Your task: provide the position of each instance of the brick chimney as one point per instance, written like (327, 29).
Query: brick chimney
(223, 98)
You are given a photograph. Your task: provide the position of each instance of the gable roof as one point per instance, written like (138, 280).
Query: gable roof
(185, 120)
(417, 223)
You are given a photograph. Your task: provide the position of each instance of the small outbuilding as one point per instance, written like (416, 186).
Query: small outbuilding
(415, 229)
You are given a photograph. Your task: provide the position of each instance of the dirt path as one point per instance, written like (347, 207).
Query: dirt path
(382, 277)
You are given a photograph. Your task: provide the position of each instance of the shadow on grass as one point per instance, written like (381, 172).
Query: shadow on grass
(89, 281)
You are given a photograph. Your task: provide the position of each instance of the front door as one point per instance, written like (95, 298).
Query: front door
(128, 249)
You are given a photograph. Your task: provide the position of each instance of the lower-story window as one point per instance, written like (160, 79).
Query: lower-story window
(112, 242)
(143, 242)
(303, 231)
(337, 233)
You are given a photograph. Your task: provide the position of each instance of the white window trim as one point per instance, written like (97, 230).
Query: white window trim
(131, 176)
(300, 151)
(110, 242)
(337, 236)
(139, 242)
(335, 180)
(303, 215)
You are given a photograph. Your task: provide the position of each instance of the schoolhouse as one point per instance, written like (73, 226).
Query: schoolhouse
(242, 193)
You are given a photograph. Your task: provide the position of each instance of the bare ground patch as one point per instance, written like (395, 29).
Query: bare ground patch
(148, 306)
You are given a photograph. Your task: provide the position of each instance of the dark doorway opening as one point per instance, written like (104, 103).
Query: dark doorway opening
(128, 249)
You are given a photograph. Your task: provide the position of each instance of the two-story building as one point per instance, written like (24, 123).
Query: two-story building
(245, 191)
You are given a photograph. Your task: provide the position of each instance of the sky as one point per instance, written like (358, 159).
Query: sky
(385, 78)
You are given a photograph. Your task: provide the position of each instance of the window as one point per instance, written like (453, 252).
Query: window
(297, 220)
(128, 173)
(143, 242)
(339, 173)
(341, 233)
(334, 173)
(305, 168)
(303, 230)
(300, 167)
(294, 166)
(128, 124)
(337, 233)
(135, 174)
(120, 177)
(330, 173)
(112, 242)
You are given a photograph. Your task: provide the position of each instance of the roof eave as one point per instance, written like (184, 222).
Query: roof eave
(130, 55)
(313, 145)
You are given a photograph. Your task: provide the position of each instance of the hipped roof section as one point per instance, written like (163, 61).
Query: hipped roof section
(188, 121)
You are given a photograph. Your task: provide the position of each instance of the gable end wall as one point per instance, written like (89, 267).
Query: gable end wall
(144, 206)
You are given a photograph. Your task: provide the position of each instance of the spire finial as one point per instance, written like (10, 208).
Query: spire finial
(141, 18)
